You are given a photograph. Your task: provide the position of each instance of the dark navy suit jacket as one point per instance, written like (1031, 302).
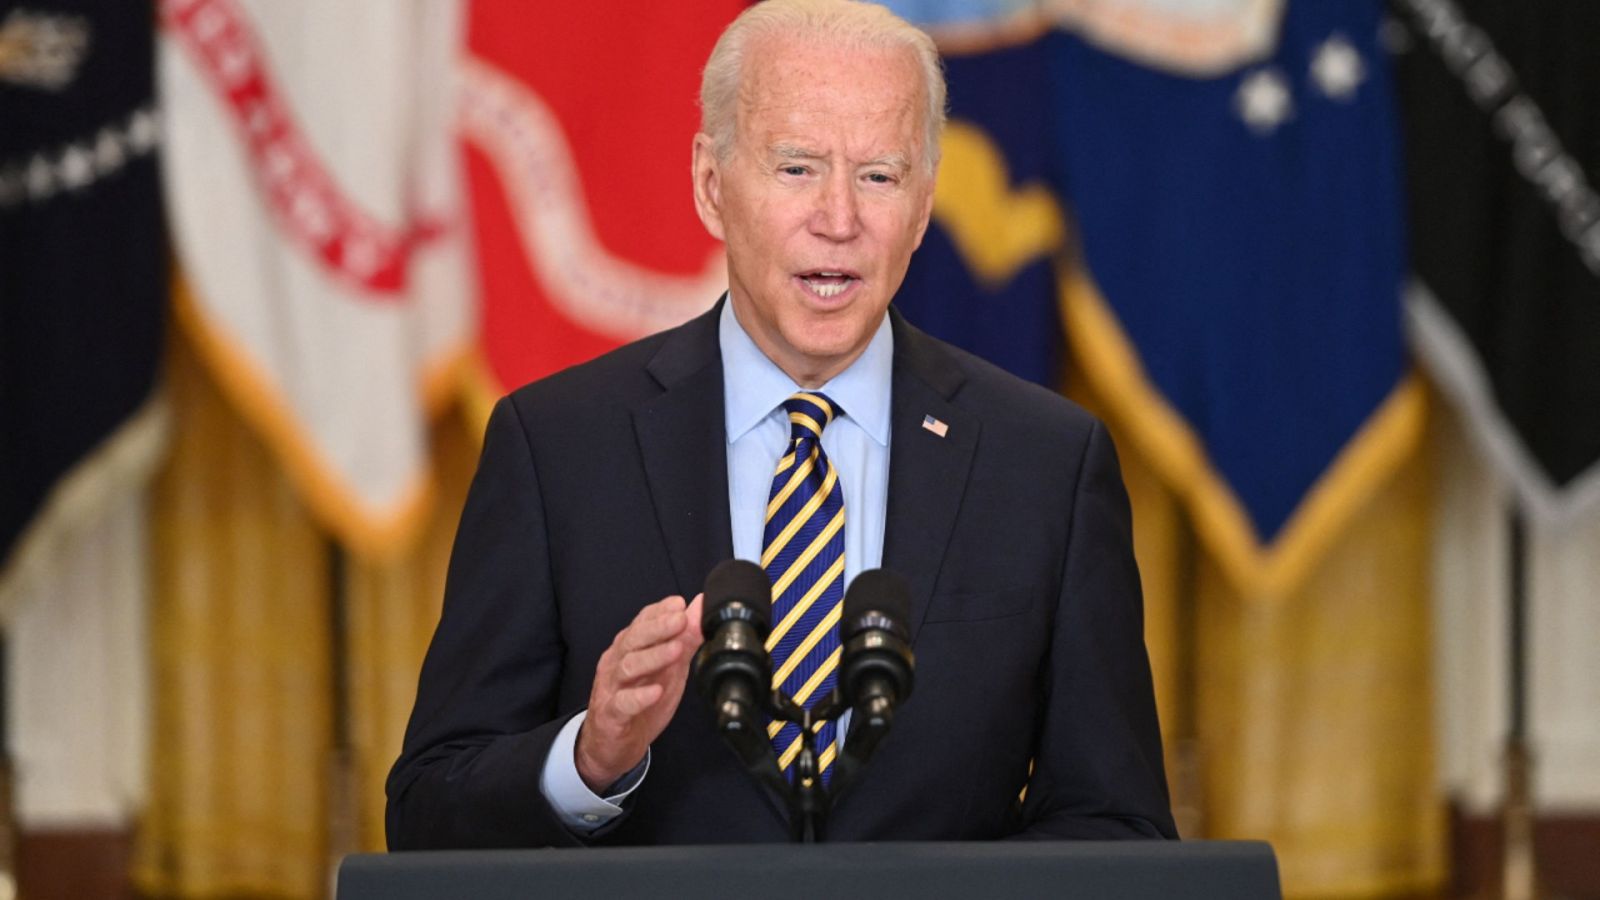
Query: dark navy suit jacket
(604, 488)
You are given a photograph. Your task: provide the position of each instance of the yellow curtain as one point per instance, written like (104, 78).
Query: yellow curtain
(1311, 713)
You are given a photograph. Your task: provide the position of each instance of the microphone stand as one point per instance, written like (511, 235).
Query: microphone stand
(809, 799)
(734, 673)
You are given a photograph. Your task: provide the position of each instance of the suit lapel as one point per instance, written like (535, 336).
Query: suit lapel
(681, 438)
(927, 479)
(927, 471)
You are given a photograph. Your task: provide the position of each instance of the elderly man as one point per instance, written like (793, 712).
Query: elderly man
(803, 424)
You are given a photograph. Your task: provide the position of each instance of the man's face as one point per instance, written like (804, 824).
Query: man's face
(822, 199)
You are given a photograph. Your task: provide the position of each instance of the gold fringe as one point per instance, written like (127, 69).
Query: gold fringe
(1111, 365)
(380, 534)
(480, 390)
(1317, 707)
(1313, 707)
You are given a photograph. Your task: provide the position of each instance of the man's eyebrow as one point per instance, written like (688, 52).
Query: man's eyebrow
(892, 160)
(794, 151)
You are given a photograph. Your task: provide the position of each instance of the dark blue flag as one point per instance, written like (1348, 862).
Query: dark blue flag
(983, 278)
(1242, 261)
(83, 256)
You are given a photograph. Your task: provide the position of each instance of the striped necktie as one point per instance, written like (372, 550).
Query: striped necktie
(803, 554)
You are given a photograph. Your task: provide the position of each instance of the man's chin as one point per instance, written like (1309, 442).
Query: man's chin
(830, 355)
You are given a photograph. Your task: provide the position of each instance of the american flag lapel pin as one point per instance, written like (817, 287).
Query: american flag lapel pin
(939, 428)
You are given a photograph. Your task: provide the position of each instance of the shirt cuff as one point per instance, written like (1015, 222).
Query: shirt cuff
(579, 808)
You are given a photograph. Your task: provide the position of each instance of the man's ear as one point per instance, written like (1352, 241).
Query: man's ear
(707, 185)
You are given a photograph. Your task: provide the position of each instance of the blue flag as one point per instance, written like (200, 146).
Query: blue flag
(1233, 184)
(984, 278)
(1242, 261)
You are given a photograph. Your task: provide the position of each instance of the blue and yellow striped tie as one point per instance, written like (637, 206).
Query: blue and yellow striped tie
(803, 553)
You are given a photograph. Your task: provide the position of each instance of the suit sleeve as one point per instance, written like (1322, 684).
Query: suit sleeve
(1098, 770)
(486, 711)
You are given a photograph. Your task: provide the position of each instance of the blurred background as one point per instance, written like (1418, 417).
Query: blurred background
(1330, 271)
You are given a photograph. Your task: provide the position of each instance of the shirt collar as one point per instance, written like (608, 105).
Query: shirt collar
(862, 391)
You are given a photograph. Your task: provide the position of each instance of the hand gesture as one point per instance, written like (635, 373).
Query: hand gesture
(637, 685)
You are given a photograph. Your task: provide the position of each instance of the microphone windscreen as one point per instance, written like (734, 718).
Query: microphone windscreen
(878, 591)
(736, 581)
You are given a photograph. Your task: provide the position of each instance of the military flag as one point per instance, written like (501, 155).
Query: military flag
(984, 278)
(578, 121)
(1235, 187)
(313, 189)
(1503, 165)
(82, 271)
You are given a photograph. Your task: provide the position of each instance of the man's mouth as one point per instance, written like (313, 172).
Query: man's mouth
(828, 283)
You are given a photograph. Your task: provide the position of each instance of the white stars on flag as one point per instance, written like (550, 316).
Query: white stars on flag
(76, 166)
(1337, 68)
(1263, 100)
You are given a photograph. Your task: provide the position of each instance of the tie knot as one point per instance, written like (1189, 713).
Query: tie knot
(809, 413)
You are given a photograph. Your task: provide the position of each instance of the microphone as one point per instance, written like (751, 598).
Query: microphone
(732, 669)
(876, 663)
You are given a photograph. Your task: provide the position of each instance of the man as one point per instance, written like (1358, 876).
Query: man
(551, 707)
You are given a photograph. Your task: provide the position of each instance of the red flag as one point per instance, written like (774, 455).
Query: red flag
(578, 121)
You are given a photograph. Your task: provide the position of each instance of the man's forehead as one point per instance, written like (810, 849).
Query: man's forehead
(780, 71)
(793, 93)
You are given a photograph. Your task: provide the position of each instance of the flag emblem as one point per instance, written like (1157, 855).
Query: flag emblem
(939, 428)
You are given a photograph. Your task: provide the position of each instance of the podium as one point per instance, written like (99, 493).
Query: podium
(1120, 870)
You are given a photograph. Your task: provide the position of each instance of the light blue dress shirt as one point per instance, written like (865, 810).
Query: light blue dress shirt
(856, 442)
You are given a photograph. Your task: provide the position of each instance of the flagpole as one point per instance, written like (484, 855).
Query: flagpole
(1519, 871)
(8, 809)
(343, 815)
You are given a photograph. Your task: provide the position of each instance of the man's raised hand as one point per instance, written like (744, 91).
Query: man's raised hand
(637, 686)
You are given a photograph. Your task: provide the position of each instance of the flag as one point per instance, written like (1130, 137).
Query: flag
(983, 278)
(312, 184)
(82, 272)
(1235, 185)
(578, 121)
(1504, 182)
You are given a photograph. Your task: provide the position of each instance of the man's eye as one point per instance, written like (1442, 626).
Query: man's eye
(880, 178)
(793, 170)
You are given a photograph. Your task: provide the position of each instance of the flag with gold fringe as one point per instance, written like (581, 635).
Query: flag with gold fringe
(313, 190)
(1239, 206)
(83, 272)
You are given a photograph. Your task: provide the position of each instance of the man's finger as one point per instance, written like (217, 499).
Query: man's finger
(649, 660)
(654, 624)
(631, 701)
(691, 635)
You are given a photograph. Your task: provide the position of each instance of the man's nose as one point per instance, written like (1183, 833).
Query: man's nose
(837, 215)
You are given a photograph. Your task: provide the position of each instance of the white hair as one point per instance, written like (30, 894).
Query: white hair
(849, 23)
